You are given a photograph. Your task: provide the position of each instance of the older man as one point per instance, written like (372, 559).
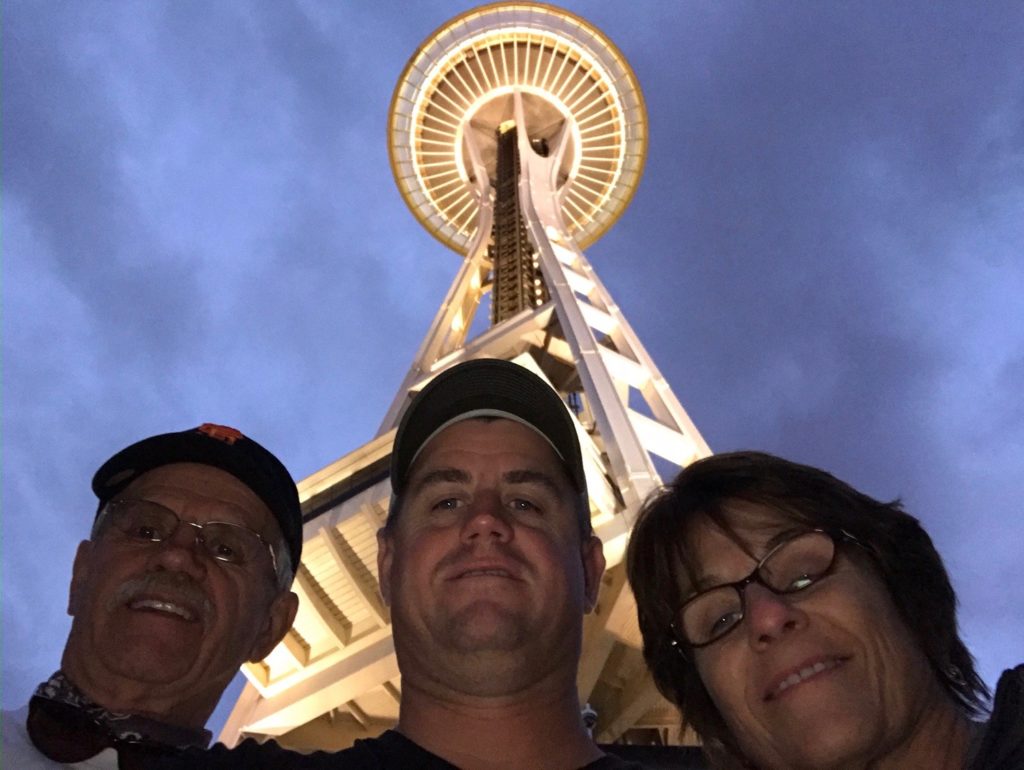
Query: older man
(185, 576)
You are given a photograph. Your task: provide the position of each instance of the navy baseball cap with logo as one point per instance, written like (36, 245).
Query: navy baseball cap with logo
(221, 447)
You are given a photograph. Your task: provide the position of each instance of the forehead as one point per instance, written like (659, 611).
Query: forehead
(480, 440)
(736, 533)
(197, 484)
(747, 523)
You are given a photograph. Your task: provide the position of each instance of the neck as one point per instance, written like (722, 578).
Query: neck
(127, 696)
(537, 729)
(939, 741)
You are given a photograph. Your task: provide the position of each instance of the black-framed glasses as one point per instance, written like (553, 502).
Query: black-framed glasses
(790, 567)
(147, 522)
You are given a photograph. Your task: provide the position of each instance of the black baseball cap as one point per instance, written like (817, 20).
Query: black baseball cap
(222, 447)
(486, 387)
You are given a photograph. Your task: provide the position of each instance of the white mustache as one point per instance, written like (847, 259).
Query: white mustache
(172, 586)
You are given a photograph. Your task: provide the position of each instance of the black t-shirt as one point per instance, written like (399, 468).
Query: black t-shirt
(391, 751)
(394, 750)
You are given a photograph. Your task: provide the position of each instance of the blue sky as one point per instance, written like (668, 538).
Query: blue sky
(823, 256)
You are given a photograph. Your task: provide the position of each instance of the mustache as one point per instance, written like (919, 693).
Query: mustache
(172, 586)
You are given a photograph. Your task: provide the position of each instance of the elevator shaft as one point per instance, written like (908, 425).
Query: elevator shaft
(517, 280)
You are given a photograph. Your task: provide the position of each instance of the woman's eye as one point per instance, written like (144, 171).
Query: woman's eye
(800, 583)
(724, 623)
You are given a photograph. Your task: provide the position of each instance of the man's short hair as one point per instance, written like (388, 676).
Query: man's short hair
(902, 554)
(488, 388)
(224, 448)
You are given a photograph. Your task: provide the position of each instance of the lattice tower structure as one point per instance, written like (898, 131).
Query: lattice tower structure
(530, 98)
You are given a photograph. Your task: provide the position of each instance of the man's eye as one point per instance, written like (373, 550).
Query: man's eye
(519, 504)
(146, 532)
(224, 552)
(149, 531)
(448, 504)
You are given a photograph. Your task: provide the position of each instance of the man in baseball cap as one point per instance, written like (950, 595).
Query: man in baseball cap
(488, 563)
(185, 576)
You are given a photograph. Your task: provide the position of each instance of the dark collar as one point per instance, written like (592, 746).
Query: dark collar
(65, 725)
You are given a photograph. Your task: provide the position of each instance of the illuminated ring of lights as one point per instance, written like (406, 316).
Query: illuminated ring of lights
(548, 53)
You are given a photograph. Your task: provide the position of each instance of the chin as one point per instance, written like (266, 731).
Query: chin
(818, 750)
(152, 664)
(490, 639)
(483, 627)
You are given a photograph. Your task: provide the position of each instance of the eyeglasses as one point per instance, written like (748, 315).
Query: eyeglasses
(147, 522)
(790, 567)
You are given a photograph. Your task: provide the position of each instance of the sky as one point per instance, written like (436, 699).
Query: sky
(823, 257)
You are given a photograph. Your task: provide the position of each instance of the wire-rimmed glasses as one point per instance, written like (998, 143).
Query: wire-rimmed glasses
(147, 522)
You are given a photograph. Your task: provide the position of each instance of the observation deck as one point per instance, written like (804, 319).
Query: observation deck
(457, 90)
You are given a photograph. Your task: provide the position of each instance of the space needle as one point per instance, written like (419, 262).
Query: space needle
(517, 135)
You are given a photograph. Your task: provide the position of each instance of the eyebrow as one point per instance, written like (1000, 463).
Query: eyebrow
(704, 583)
(221, 510)
(439, 476)
(459, 476)
(526, 476)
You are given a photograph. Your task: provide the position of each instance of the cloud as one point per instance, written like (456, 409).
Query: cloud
(822, 256)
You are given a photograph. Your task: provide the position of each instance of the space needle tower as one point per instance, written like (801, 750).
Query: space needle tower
(517, 136)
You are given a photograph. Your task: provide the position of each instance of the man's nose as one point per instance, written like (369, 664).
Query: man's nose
(181, 552)
(486, 518)
(770, 616)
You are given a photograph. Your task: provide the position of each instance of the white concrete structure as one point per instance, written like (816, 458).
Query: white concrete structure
(574, 128)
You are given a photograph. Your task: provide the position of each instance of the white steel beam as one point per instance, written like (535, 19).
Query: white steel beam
(308, 597)
(346, 680)
(632, 467)
(369, 594)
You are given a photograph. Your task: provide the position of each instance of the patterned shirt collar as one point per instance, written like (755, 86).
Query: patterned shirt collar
(124, 727)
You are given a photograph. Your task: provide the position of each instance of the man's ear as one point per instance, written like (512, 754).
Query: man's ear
(385, 555)
(280, 617)
(79, 576)
(593, 568)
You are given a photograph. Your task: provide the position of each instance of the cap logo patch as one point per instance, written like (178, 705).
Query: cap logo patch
(221, 432)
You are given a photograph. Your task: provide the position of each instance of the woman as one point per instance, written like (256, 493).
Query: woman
(799, 623)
